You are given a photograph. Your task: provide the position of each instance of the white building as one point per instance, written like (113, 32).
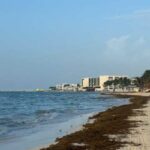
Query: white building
(67, 87)
(98, 82)
(118, 88)
(85, 82)
(90, 82)
(105, 78)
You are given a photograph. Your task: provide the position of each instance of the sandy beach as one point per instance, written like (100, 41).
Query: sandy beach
(139, 135)
(125, 127)
(134, 94)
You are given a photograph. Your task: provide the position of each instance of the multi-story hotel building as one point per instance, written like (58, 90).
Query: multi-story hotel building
(90, 82)
(105, 78)
(99, 81)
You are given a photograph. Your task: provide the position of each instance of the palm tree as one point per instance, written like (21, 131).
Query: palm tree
(146, 79)
(138, 82)
(121, 82)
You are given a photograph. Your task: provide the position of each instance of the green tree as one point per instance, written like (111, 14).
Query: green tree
(146, 79)
(108, 83)
(120, 82)
(138, 82)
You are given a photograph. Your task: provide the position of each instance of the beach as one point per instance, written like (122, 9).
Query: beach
(74, 75)
(139, 135)
(124, 127)
(32, 120)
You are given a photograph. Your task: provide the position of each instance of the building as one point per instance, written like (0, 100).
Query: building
(97, 83)
(105, 78)
(85, 82)
(67, 87)
(119, 87)
(90, 82)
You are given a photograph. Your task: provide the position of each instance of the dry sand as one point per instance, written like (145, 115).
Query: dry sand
(140, 135)
(134, 94)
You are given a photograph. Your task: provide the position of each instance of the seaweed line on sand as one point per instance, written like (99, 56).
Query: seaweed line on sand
(107, 130)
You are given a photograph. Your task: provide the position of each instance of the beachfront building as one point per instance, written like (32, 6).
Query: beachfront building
(90, 83)
(121, 84)
(97, 83)
(105, 78)
(119, 89)
(67, 87)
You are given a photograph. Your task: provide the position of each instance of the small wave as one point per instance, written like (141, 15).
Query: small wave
(45, 114)
(53, 115)
(12, 122)
(3, 130)
(4, 121)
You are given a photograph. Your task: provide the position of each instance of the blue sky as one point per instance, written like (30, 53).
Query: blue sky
(45, 42)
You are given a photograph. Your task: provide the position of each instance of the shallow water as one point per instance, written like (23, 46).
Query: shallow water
(29, 119)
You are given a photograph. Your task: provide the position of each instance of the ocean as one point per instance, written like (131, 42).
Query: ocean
(29, 120)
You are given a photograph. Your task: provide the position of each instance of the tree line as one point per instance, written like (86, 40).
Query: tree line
(142, 82)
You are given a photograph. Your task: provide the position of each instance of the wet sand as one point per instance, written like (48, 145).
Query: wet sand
(111, 130)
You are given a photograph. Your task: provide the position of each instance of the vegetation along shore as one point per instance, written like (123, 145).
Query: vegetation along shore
(109, 131)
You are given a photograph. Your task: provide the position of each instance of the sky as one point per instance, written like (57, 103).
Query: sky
(47, 42)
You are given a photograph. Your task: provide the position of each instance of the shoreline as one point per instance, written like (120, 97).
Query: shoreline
(71, 126)
(86, 119)
(44, 135)
(109, 130)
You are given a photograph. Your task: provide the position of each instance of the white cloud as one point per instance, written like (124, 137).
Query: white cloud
(140, 42)
(138, 14)
(127, 47)
(117, 43)
(126, 53)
